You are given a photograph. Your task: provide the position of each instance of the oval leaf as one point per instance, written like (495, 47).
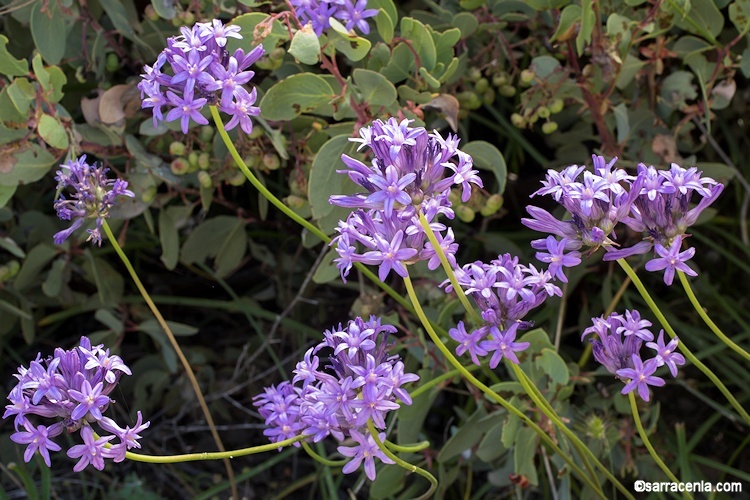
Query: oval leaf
(295, 95)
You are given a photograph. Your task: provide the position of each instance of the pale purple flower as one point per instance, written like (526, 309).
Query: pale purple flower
(72, 388)
(366, 450)
(667, 354)
(671, 260)
(38, 439)
(469, 341)
(203, 73)
(356, 15)
(93, 196)
(504, 345)
(640, 377)
(92, 451)
(557, 258)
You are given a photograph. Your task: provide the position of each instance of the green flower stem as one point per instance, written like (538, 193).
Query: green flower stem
(322, 460)
(407, 448)
(223, 455)
(403, 463)
(644, 438)
(536, 395)
(697, 305)
(449, 270)
(681, 345)
(176, 346)
(293, 215)
(492, 394)
(445, 376)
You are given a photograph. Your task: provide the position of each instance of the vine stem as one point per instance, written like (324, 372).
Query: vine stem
(448, 270)
(544, 405)
(644, 438)
(223, 455)
(492, 394)
(702, 313)
(176, 346)
(293, 215)
(407, 448)
(320, 459)
(681, 345)
(402, 463)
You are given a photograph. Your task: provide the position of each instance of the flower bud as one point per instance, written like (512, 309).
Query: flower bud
(204, 179)
(237, 179)
(206, 133)
(465, 213)
(481, 85)
(507, 90)
(177, 149)
(271, 161)
(204, 161)
(549, 128)
(517, 120)
(555, 106)
(179, 166)
(492, 205)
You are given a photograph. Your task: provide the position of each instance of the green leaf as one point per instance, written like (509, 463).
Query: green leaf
(105, 317)
(385, 6)
(467, 436)
(247, 22)
(421, 41)
(739, 14)
(355, 48)
(10, 308)
(487, 157)
(52, 131)
(22, 94)
(165, 8)
(36, 260)
(553, 365)
(388, 482)
(569, 18)
(677, 88)
(29, 164)
(376, 90)
(400, 66)
(9, 65)
(222, 238)
(411, 418)
(385, 26)
(587, 26)
(123, 23)
(326, 271)
(54, 281)
(109, 283)
(622, 121)
(152, 327)
(169, 238)
(305, 46)
(6, 193)
(295, 95)
(48, 31)
(466, 22)
(524, 453)
(324, 180)
(9, 113)
(544, 66)
(703, 19)
(491, 446)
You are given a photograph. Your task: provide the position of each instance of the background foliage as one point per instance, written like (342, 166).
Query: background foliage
(528, 86)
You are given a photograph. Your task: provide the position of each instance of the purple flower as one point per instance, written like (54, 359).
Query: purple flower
(469, 341)
(671, 259)
(412, 171)
(72, 388)
(356, 15)
(92, 451)
(93, 196)
(361, 384)
(90, 399)
(504, 345)
(632, 324)
(38, 439)
(390, 255)
(557, 259)
(667, 354)
(366, 450)
(640, 377)
(203, 73)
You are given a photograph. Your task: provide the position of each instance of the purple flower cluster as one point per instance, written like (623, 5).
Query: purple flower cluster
(320, 12)
(203, 73)
(71, 387)
(505, 292)
(618, 347)
(93, 196)
(361, 384)
(655, 203)
(407, 175)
